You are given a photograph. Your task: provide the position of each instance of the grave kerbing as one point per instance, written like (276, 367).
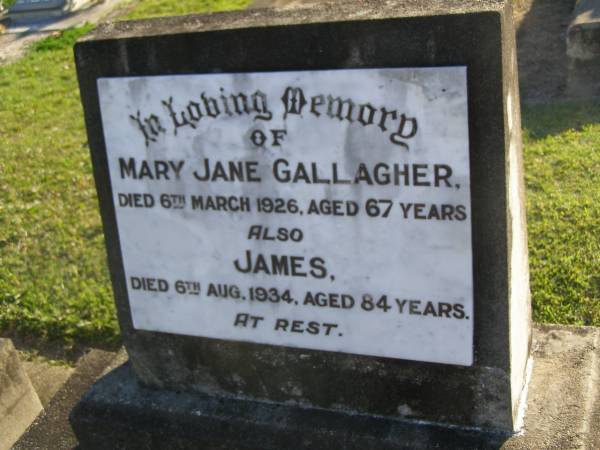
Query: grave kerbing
(473, 40)
(19, 403)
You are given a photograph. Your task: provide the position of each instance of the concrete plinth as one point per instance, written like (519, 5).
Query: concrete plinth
(119, 413)
(562, 411)
(51, 429)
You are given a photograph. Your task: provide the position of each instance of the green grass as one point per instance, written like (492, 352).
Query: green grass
(53, 277)
(562, 173)
(64, 41)
(157, 8)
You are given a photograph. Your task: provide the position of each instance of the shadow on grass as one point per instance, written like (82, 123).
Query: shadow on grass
(542, 120)
(57, 350)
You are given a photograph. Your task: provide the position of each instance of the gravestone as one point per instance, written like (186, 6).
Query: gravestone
(36, 5)
(26, 11)
(314, 223)
(583, 50)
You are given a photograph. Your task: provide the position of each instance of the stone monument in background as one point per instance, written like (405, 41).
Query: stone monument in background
(315, 227)
(36, 10)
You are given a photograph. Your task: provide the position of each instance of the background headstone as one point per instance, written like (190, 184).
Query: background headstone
(32, 11)
(36, 5)
(583, 49)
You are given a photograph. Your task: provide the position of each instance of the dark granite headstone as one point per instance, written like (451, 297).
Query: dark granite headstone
(315, 209)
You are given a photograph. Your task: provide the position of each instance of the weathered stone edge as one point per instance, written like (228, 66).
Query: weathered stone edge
(327, 11)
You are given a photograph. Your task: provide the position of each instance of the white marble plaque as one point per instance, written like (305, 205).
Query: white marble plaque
(325, 210)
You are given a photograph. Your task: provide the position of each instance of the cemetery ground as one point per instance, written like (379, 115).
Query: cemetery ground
(54, 284)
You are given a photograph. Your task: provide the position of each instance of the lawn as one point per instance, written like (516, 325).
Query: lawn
(53, 277)
(156, 8)
(562, 175)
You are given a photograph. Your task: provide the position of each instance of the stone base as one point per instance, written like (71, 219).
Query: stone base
(563, 411)
(118, 413)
